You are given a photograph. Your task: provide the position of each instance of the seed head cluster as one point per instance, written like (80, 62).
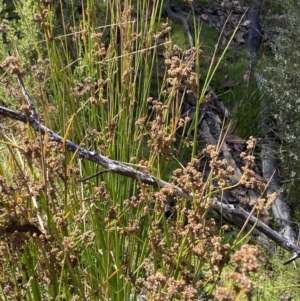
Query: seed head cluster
(245, 262)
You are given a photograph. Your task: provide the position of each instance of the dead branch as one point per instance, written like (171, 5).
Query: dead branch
(128, 171)
(180, 18)
(109, 164)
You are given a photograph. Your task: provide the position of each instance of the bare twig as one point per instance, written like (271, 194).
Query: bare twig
(27, 98)
(95, 175)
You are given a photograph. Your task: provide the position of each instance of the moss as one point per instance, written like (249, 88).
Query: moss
(179, 36)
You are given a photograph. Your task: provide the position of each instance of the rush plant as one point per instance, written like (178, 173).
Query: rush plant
(106, 75)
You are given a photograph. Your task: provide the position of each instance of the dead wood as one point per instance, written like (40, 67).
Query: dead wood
(181, 18)
(109, 164)
(280, 208)
(122, 169)
(255, 30)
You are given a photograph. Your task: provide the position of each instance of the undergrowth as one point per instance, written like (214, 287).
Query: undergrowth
(281, 87)
(93, 69)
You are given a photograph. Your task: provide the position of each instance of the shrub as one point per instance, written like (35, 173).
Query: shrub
(282, 87)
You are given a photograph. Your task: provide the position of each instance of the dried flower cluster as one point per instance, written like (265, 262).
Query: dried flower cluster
(161, 138)
(21, 223)
(246, 262)
(12, 63)
(180, 68)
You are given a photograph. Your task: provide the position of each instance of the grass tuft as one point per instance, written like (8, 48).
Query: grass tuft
(108, 76)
